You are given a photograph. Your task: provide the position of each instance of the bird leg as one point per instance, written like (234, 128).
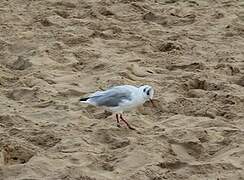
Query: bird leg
(117, 118)
(121, 117)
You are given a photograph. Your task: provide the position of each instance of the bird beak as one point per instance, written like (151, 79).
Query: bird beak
(152, 103)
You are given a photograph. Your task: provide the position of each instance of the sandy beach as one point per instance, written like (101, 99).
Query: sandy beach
(52, 52)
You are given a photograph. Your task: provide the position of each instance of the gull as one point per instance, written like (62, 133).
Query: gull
(119, 99)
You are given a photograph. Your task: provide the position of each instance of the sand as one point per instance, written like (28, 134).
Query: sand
(52, 52)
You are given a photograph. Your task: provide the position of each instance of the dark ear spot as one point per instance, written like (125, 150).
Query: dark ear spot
(148, 92)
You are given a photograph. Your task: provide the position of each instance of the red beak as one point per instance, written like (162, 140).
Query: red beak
(152, 102)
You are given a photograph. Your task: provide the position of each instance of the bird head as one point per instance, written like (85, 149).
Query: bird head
(147, 93)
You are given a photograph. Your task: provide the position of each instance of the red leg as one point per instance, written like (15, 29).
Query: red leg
(121, 117)
(117, 118)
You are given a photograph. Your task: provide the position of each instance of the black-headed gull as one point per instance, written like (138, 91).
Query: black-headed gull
(120, 98)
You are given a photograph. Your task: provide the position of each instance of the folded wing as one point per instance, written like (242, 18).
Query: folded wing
(111, 97)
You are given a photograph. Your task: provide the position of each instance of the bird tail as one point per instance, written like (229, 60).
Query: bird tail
(84, 99)
(87, 100)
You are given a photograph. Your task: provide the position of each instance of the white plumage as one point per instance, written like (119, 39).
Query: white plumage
(120, 98)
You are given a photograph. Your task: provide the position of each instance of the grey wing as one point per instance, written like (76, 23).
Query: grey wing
(111, 98)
